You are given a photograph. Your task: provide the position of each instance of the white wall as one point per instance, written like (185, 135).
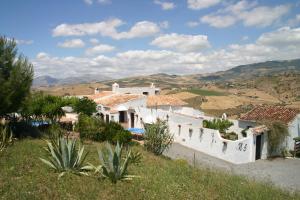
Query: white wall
(210, 142)
(294, 131)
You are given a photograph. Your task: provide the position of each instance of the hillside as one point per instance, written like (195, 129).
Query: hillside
(51, 81)
(242, 72)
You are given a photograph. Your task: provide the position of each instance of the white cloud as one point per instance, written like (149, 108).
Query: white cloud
(74, 43)
(295, 21)
(107, 28)
(89, 2)
(26, 42)
(94, 41)
(201, 4)
(249, 13)
(283, 43)
(219, 21)
(244, 38)
(264, 16)
(285, 36)
(165, 5)
(104, 1)
(192, 24)
(101, 48)
(181, 43)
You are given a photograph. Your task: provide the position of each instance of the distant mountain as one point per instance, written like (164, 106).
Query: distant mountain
(255, 70)
(50, 81)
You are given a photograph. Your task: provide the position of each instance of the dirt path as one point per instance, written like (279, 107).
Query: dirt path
(283, 173)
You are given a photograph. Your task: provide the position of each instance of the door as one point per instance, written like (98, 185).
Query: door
(132, 119)
(258, 147)
(107, 118)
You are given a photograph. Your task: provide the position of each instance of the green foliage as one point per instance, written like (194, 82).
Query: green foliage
(112, 166)
(230, 136)
(6, 137)
(43, 107)
(277, 133)
(85, 106)
(16, 75)
(244, 132)
(217, 124)
(92, 128)
(135, 157)
(157, 137)
(65, 155)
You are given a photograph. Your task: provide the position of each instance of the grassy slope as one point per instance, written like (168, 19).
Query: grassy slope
(23, 176)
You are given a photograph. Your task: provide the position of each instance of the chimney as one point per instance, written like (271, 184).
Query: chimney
(115, 87)
(97, 90)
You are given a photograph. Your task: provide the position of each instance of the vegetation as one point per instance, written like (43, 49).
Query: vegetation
(157, 137)
(112, 166)
(16, 75)
(65, 155)
(5, 137)
(84, 106)
(277, 133)
(24, 177)
(230, 136)
(92, 128)
(40, 107)
(218, 124)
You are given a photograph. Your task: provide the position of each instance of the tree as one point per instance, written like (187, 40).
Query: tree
(157, 137)
(85, 106)
(16, 75)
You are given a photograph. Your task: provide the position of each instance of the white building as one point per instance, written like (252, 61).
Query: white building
(289, 116)
(133, 107)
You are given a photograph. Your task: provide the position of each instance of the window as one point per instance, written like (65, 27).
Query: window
(122, 116)
(190, 132)
(179, 129)
(146, 93)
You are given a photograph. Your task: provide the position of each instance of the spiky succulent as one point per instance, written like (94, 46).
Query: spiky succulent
(66, 155)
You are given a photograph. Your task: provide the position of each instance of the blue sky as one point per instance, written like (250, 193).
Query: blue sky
(120, 38)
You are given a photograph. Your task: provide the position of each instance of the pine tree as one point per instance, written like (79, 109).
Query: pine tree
(16, 75)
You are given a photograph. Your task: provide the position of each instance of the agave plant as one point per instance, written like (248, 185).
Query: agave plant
(112, 166)
(6, 138)
(65, 155)
(135, 158)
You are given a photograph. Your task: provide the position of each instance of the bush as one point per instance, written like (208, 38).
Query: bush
(217, 124)
(92, 128)
(157, 137)
(277, 134)
(230, 136)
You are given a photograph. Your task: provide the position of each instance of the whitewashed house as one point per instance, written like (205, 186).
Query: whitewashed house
(134, 107)
(288, 116)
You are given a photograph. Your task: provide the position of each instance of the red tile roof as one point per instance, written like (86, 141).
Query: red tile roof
(116, 99)
(273, 113)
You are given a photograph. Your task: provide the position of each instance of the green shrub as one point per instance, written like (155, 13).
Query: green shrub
(65, 155)
(92, 128)
(217, 124)
(277, 133)
(157, 137)
(112, 166)
(230, 136)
